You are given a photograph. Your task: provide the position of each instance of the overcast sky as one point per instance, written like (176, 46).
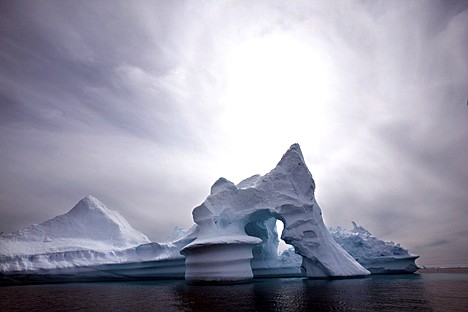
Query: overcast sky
(145, 104)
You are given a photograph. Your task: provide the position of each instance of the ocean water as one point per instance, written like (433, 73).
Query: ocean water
(418, 292)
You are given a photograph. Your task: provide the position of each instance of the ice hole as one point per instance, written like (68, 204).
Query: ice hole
(282, 245)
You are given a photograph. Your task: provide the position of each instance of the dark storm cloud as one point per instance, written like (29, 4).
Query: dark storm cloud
(70, 55)
(125, 102)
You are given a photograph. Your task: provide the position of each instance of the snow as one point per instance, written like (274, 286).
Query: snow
(285, 193)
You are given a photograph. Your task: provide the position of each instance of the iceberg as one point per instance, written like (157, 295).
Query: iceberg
(88, 225)
(87, 243)
(223, 250)
(377, 256)
(234, 239)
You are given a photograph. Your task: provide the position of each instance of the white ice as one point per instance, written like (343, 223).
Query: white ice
(243, 212)
(234, 238)
(89, 234)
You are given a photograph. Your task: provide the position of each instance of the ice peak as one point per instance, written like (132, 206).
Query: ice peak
(221, 184)
(90, 199)
(89, 219)
(292, 156)
(296, 147)
(293, 165)
(360, 230)
(89, 203)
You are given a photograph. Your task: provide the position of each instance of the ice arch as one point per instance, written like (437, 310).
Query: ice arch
(223, 250)
(265, 253)
(266, 261)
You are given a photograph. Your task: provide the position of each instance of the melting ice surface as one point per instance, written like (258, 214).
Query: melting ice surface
(234, 238)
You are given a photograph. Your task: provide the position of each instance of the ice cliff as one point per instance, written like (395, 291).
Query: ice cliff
(223, 250)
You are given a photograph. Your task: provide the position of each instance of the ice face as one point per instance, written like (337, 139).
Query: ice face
(285, 193)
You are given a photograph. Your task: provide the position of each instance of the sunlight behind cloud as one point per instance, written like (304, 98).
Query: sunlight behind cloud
(280, 82)
(265, 74)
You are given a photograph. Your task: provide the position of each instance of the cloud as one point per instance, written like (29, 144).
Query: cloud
(144, 106)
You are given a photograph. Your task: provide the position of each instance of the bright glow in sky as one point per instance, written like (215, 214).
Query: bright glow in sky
(276, 75)
(282, 79)
(282, 244)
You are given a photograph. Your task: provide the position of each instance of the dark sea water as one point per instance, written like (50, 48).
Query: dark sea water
(418, 292)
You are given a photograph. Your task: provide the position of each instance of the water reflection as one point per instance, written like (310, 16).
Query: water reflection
(428, 292)
(214, 298)
(366, 294)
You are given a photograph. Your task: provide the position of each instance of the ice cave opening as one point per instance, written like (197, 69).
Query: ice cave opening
(282, 245)
(272, 256)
